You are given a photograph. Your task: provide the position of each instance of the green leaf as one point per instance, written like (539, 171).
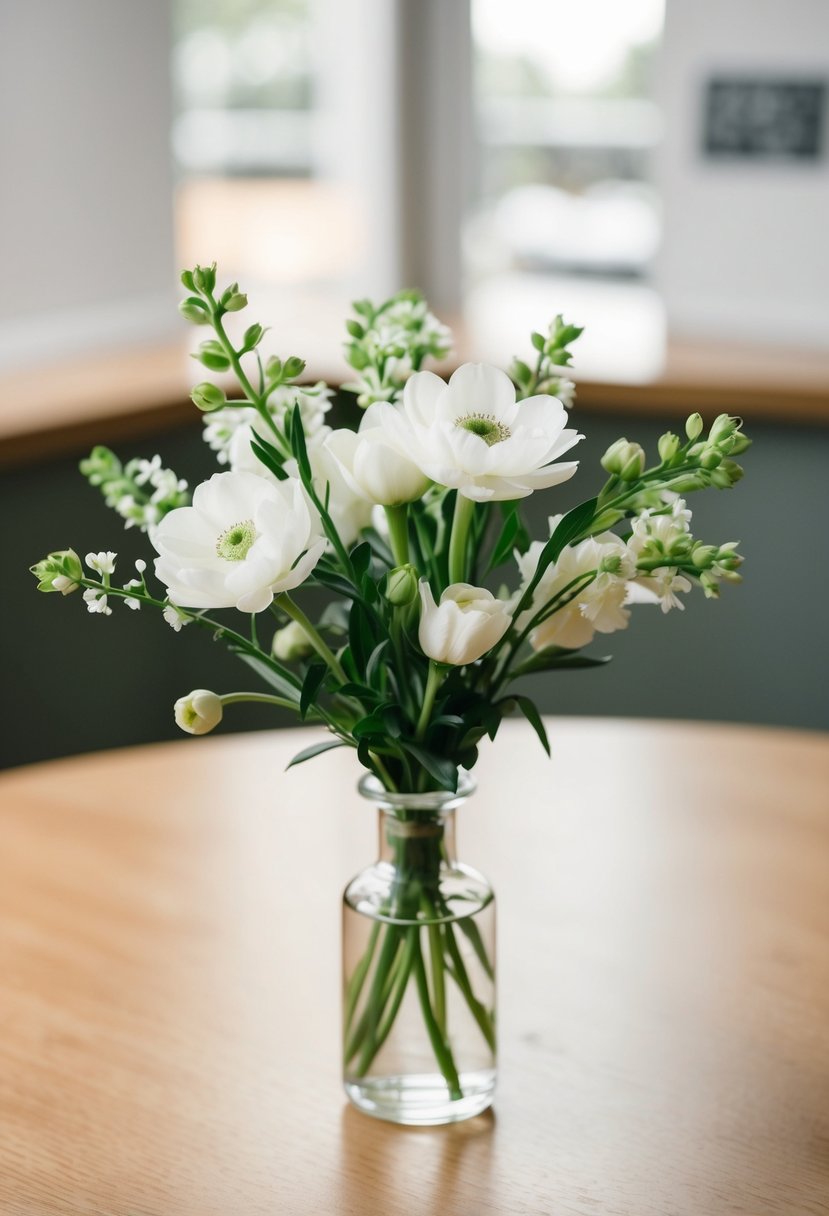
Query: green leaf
(267, 454)
(316, 749)
(314, 677)
(529, 710)
(444, 771)
(554, 658)
(273, 678)
(537, 341)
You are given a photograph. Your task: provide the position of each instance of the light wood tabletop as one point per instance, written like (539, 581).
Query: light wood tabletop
(169, 982)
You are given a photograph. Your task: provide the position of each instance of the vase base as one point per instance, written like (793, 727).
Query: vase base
(422, 1099)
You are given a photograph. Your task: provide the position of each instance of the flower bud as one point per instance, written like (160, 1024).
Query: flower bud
(727, 475)
(739, 443)
(198, 713)
(291, 643)
(693, 426)
(710, 458)
(193, 310)
(235, 302)
(612, 459)
(60, 571)
(208, 397)
(633, 462)
(401, 586)
(723, 427)
(204, 277)
(703, 556)
(668, 446)
(466, 623)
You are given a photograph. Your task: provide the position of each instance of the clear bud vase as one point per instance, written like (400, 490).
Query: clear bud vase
(419, 968)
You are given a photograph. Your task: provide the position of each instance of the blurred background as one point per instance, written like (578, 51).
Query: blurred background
(656, 170)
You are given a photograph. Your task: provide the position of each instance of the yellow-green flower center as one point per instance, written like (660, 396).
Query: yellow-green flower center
(233, 545)
(485, 426)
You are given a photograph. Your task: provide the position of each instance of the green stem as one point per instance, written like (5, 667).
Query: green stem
(262, 698)
(398, 521)
(294, 611)
(438, 985)
(443, 1053)
(355, 984)
(400, 981)
(432, 684)
(256, 399)
(477, 1010)
(457, 541)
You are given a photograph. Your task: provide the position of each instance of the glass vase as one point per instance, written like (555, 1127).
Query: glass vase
(419, 968)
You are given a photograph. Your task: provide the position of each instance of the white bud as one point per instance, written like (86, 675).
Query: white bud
(291, 643)
(465, 625)
(199, 712)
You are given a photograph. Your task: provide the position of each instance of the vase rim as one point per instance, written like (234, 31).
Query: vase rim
(432, 801)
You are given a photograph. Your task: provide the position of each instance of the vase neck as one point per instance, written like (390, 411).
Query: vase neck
(416, 824)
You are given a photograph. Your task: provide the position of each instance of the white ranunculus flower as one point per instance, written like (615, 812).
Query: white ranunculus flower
(466, 623)
(472, 435)
(349, 511)
(596, 609)
(242, 541)
(374, 465)
(198, 712)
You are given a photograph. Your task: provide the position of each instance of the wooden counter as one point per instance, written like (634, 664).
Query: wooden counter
(169, 987)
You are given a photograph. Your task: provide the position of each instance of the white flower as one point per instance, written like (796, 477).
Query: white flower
(656, 536)
(661, 587)
(199, 712)
(597, 607)
(242, 541)
(472, 435)
(174, 618)
(64, 585)
(101, 563)
(96, 601)
(373, 465)
(465, 625)
(130, 601)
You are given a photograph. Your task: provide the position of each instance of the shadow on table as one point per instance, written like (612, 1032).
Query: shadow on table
(416, 1169)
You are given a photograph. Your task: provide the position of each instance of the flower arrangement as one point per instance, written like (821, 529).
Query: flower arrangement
(403, 522)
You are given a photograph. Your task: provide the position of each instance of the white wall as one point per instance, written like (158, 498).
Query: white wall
(86, 232)
(746, 247)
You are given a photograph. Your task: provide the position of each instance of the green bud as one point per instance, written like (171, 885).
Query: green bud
(612, 459)
(355, 329)
(401, 586)
(739, 443)
(668, 446)
(294, 366)
(703, 556)
(693, 426)
(633, 462)
(709, 585)
(213, 355)
(60, 571)
(235, 302)
(710, 458)
(253, 336)
(723, 427)
(204, 278)
(192, 309)
(188, 280)
(208, 397)
(727, 475)
(689, 482)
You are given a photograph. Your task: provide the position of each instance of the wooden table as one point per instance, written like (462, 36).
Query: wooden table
(169, 996)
